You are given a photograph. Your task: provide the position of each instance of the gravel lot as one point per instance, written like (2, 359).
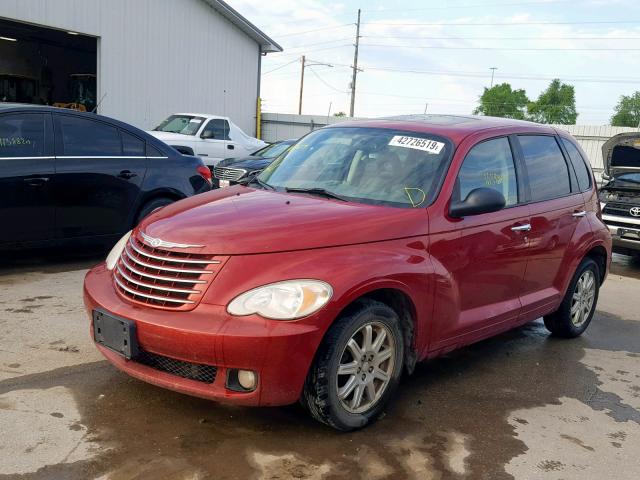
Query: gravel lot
(520, 405)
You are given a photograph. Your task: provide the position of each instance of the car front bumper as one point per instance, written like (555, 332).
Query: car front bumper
(625, 238)
(279, 352)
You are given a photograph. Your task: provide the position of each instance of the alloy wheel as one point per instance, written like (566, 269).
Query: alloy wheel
(583, 297)
(366, 367)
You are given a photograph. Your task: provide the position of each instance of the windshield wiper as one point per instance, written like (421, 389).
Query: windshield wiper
(316, 191)
(261, 183)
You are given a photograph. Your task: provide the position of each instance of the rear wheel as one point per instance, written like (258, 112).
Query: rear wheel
(357, 368)
(151, 206)
(579, 304)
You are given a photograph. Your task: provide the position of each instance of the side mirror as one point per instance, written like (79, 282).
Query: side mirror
(479, 200)
(208, 134)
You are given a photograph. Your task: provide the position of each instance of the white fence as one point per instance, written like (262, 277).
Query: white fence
(282, 126)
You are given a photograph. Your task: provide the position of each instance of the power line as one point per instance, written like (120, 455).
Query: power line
(515, 49)
(415, 37)
(280, 66)
(502, 24)
(326, 83)
(280, 55)
(304, 32)
(476, 5)
(502, 75)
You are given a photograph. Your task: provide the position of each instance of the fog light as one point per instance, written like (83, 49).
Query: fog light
(247, 379)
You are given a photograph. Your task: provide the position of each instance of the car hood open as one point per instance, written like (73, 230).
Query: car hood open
(241, 220)
(621, 154)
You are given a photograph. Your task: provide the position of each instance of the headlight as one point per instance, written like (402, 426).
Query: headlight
(283, 300)
(116, 251)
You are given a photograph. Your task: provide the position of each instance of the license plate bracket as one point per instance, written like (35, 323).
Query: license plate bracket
(115, 333)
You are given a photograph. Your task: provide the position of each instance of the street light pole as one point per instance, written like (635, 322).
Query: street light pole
(306, 64)
(301, 85)
(493, 71)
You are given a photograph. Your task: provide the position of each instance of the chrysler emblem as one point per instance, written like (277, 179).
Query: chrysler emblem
(635, 211)
(157, 242)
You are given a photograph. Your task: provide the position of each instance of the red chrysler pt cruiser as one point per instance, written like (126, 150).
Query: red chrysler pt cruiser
(367, 247)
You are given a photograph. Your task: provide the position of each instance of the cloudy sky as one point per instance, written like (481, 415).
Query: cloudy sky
(438, 54)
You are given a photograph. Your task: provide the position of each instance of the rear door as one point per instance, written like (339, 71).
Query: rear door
(214, 142)
(27, 168)
(99, 172)
(556, 209)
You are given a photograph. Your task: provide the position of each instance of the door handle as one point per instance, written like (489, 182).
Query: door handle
(521, 228)
(579, 213)
(230, 147)
(36, 181)
(127, 174)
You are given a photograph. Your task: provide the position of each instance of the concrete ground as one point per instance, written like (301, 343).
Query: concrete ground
(522, 405)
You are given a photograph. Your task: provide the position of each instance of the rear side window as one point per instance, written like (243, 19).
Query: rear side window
(582, 171)
(489, 165)
(131, 145)
(546, 168)
(82, 137)
(22, 135)
(219, 128)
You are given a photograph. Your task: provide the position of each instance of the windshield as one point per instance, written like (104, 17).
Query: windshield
(273, 150)
(184, 124)
(366, 165)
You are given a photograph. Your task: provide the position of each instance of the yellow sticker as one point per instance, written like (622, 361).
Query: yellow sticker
(418, 192)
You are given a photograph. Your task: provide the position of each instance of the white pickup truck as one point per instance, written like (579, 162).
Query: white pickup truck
(209, 137)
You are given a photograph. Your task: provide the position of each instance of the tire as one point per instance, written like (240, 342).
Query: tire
(323, 383)
(563, 323)
(151, 206)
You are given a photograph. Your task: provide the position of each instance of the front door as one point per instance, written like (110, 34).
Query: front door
(27, 168)
(556, 209)
(214, 142)
(99, 171)
(485, 255)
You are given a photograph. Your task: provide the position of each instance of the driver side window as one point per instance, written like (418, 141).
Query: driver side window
(489, 165)
(216, 129)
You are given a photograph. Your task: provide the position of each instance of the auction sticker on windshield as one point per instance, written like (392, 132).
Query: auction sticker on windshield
(424, 144)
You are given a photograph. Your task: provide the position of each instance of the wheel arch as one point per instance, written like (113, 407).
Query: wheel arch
(171, 194)
(599, 255)
(401, 303)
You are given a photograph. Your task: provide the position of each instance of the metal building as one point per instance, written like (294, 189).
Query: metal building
(138, 60)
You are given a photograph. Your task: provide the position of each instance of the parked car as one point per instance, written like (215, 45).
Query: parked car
(620, 194)
(232, 170)
(210, 137)
(367, 247)
(70, 176)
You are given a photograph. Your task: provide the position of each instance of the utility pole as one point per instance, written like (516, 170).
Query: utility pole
(493, 71)
(301, 86)
(355, 67)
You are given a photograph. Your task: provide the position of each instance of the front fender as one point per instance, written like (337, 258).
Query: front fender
(352, 271)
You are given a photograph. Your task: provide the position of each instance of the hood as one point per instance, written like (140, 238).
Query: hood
(240, 220)
(248, 163)
(171, 138)
(621, 154)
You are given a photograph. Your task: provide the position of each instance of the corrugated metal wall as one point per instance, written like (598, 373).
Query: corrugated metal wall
(281, 126)
(157, 57)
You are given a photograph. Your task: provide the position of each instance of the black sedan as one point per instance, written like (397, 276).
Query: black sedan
(69, 176)
(231, 170)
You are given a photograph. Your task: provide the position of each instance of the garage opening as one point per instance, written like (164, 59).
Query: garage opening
(47, 66)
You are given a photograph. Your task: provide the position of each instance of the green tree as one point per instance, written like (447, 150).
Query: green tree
(339, 114)
(627, 111)
(557, 104)
(502, 101)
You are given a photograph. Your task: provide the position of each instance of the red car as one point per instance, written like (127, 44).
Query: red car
(368, 247)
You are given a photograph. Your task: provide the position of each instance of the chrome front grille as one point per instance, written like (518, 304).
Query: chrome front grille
(619, 209)
(163, 278)
(226, 173)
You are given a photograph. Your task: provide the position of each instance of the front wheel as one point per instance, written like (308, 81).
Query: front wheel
(357, 368)
(579, 304)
